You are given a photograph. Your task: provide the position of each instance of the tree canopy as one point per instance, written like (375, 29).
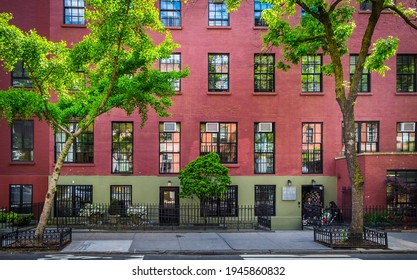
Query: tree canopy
(112, 67)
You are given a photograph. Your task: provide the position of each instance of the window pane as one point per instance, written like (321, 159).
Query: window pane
(74, 12)
(81, 150)
(22, 140)
(169, 147)
(222, 141)
(406, 73)
(172, 63)
(218, 76)
(311, 73)
(122, 147)
(218, 15)
(170, 12)
(312, 148)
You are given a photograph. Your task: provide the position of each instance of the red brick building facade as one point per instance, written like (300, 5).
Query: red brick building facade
(269, 127)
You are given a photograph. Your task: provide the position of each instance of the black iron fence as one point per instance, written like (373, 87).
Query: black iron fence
(340, 237)
(154, 216)
(145, 217)
(51, 239)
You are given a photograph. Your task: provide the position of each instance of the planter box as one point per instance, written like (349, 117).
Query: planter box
(53, 239)
(339, 237)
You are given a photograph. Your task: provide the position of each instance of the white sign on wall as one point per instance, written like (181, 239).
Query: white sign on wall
(289, 193)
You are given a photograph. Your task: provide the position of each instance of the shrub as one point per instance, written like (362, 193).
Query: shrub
(19, 220)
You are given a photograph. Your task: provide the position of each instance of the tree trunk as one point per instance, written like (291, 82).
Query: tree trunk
(50, 194)
(354, 172)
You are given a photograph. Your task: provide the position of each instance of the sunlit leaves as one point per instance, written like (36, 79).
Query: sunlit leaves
(112, 67)
(381, 51)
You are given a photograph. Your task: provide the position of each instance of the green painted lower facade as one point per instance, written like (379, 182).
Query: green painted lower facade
(146, 190)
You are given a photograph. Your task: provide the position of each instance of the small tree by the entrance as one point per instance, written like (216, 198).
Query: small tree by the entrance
(204, 177)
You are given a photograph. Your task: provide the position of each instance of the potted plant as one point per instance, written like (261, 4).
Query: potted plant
(137, 213)
(91, 211)
(116, 209)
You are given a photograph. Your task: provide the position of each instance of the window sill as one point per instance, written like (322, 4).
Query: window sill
(365, 94)
(260, 28)
(78, 165)
(231, 165)
(219, 93)
(23, 163)
(219, 27)
(74, 25)
(272, 93)
(173, 27)
(406, 93)
(312, 93)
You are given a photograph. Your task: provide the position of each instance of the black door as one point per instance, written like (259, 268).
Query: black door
(169, 208)
(312, 201)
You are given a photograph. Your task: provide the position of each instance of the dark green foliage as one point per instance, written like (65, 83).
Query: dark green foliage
(204, 177)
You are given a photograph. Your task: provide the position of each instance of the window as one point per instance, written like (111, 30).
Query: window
(21, 199)
(365, 6)
(265, 200)
(365, 79)
(312, 148)
(69, 199)
(259, 6)
(172, 63)
(311, 77)
(225, 207)
(20, 76)
(122, 147)
(264, 148)
(402, 192)
(218, 73)
(406, 137)
(217, 14)
(170, 12)
(367, 136)
(406, 73)
(220, 138)
(74, 12)
(264, 73)
(22, 140)
(81, 150)
(123, 194)
(169, 147)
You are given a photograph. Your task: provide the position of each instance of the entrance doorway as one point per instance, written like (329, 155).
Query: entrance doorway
(169, 206)
(312, 204)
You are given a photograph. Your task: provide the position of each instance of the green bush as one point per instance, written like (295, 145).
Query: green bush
(19, 220)
(380, 219)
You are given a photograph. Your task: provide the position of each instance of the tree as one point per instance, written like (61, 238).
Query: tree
(326, 26)
(204, 177)
(112, 67)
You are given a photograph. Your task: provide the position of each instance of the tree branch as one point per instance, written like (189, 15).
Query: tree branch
(334, 6)
(401, 13)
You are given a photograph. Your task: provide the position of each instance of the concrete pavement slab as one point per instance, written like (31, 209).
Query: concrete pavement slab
(88, 246)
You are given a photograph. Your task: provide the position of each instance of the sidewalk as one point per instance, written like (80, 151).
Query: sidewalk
(274, 242)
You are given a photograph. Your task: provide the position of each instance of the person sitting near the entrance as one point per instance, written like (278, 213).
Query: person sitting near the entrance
(334, 211)
(308, 208)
